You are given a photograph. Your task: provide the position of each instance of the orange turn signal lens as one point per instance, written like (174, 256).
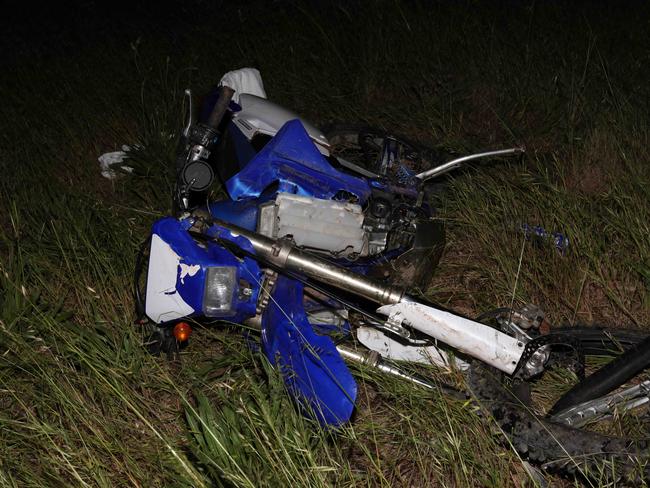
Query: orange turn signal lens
(182, 331)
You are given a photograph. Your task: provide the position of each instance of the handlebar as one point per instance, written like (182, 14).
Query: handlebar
(448, 166)
(220, 107)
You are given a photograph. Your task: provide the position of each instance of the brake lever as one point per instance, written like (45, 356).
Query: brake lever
(190, 113)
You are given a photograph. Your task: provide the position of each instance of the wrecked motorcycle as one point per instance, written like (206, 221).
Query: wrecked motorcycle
(309, 249)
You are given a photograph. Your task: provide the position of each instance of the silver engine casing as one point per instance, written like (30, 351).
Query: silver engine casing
(315, 224)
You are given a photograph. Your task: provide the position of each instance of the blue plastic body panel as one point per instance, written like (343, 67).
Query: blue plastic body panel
(312, 368)
(191, 287)
(292, 161)
(242, 213)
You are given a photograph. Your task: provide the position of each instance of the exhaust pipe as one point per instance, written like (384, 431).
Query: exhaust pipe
(285, 255)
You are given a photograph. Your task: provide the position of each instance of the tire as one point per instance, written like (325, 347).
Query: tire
(557, 447)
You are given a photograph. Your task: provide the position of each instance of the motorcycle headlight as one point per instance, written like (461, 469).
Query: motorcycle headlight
(219, 294)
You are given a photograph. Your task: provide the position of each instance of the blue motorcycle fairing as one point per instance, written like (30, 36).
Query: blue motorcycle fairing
(242, 213)
(292, 160)
(312, 368)
(191, 285)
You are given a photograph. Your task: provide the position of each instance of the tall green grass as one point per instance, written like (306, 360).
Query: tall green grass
(80, 401)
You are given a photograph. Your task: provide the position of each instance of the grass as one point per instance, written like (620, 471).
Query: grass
(80, 401)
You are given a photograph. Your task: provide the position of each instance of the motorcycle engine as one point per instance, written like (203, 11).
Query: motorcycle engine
(344, 229)
(324, 226)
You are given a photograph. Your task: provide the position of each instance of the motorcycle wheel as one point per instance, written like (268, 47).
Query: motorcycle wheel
(362, 145)
(590, 452)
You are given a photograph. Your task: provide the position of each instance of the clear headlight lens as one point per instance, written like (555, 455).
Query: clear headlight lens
(219, 294)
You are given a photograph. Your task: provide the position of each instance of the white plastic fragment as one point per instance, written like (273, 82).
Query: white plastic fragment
(163, 302)
(244, 80)
(388, 348)
(187, 270)
(109, 159)
(472, 338)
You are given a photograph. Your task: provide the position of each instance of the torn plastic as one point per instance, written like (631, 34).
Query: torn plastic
(244, 80)
(110, 159)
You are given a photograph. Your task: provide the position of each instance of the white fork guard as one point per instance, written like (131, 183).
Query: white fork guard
(472, 338)
(388, 348)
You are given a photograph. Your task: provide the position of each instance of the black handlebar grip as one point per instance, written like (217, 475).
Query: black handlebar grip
(220, 107)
